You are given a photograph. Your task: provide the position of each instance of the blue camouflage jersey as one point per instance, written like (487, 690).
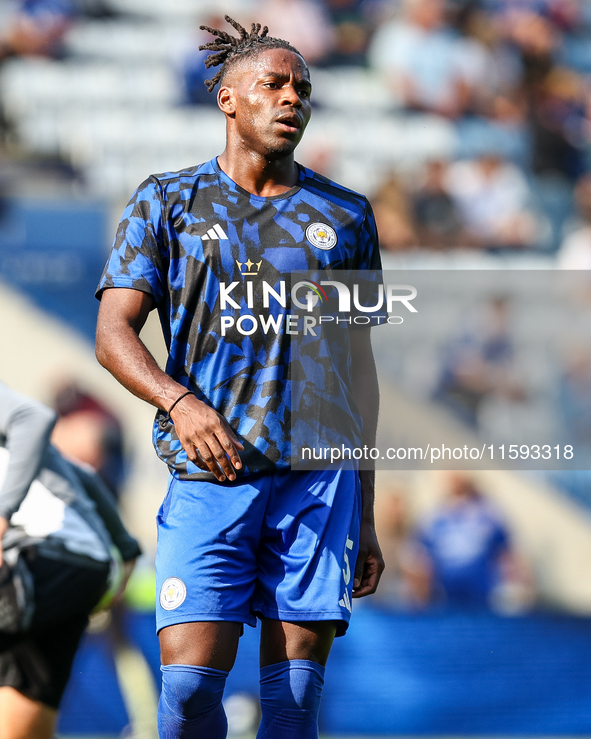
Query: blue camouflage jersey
(217, 261)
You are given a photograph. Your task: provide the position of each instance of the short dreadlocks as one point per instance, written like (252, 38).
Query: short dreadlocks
(229, 48)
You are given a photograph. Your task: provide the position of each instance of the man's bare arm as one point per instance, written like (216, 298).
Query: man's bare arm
(206, 436)
(370, 563)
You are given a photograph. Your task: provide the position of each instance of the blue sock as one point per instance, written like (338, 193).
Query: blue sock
(191, 703)
(290, 699)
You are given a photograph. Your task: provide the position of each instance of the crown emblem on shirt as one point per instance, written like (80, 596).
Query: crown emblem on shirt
(248, 265)
(216, 232)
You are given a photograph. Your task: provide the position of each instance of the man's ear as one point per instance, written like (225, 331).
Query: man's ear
(226, 100)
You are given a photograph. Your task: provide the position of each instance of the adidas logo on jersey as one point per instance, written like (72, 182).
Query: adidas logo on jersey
(217, 232)
(345, 602)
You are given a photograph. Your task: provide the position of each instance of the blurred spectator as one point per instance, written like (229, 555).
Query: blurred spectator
(190, 63)
(470, 550)
(574, 404)
(406, 582)
(575, 252)
(564, 14)
(438, 221)
(394, 216)
(427, 63)
(555, 95)
(558, 108)
(352, 29)
(494, 66)
(479, 364)
(534, 36)
(493, 197)
(34, 27)
(89, 432)
(303, 23)
(575, 397)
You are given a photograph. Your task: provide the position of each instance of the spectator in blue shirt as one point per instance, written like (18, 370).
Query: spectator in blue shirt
(467, 541)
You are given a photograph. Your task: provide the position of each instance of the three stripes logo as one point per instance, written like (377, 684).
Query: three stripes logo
(345, 601)
(216, 232)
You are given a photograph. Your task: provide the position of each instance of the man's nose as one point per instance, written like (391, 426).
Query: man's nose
(291, 97)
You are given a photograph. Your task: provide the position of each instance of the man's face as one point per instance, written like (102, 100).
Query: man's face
(271, 101)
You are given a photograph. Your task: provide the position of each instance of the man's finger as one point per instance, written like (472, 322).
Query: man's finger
(232, 445)
(221, 458)
(198, 462)
(361, 585)
(201, 454)
(193, 454)
(359, 567)
(209, 460)
(233, 437)
(223, 444)
(369, 580)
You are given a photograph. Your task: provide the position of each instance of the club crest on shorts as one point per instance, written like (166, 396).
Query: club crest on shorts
(321, 236)
(172, 593)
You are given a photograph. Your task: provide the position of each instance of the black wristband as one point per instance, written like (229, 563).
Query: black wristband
(166, 418)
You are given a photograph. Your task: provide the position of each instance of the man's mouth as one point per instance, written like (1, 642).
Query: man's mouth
(291, 123)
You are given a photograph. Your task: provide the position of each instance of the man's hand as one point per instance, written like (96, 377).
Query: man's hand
(208, 439)
(370, 563)
(4, 524)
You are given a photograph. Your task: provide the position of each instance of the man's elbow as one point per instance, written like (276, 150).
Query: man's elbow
(101, 348)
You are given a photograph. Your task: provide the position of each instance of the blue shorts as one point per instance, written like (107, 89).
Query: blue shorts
(282, 546)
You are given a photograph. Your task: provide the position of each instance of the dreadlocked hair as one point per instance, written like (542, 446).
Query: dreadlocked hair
(229, 48)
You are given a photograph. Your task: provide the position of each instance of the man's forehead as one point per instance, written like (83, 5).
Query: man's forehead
(279, 63)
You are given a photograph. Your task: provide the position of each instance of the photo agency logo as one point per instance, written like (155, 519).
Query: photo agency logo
(302, 306)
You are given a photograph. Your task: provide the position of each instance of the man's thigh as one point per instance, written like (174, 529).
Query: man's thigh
(206, 559)
(308, 547)
(284, 640)
(204, 644)
(215, 643)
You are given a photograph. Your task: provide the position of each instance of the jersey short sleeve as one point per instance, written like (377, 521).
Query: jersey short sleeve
(368, 274)
(369, 251)
(138, 257)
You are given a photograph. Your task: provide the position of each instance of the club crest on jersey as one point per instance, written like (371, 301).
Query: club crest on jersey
(172, 593)
(321, 236)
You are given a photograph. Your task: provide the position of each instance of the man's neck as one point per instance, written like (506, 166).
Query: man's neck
(257, 175)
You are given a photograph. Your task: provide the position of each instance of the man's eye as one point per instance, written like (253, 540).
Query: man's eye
(305, 93)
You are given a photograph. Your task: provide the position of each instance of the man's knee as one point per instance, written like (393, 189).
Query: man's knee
(295, 684)
(290, 699)
(192, 692)
(191, 702)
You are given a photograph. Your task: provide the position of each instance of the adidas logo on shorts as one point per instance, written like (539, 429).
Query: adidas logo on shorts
(217, 232)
